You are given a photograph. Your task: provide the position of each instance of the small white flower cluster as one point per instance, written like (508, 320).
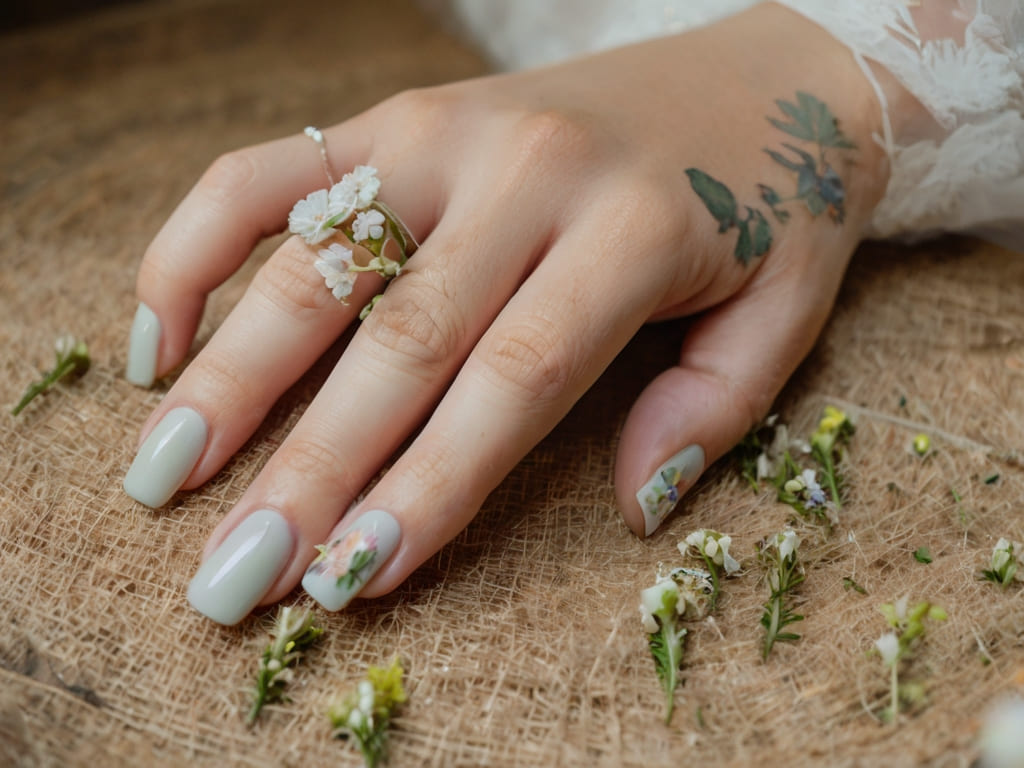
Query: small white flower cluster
(712, 545)
(685, 590)
(786, 542)
(361, 715)
(316, 217)
(771, 458)
(807, 488)
(1005, 561)
(322, 213)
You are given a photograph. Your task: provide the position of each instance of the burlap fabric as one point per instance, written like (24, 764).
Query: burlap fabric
(522, 636)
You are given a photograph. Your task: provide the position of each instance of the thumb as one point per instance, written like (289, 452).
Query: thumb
(734, 361)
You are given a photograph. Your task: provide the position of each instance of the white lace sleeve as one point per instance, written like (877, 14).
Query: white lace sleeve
(964, 61)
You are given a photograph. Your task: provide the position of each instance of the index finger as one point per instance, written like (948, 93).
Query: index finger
(243, 197)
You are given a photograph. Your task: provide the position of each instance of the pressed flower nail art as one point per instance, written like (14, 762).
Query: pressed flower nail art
(347, 562)
(660, 494)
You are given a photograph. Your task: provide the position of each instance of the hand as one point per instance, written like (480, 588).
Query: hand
(558, 211)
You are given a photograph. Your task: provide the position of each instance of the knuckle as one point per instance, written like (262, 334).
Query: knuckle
(289, 282)
(228, 175)
(421, 324)
(552, 136)
(530, 359)
(309, 459)
(221, 379)
(417, 112)
(433, 470)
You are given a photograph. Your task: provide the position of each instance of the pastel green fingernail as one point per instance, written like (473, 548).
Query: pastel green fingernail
(241, 570)
(166, 457)
(143, 344)
(661, 493)
(350, 560)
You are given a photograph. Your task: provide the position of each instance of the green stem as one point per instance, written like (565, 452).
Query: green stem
(773, 625)
(713, 570)
(38, 387)
(894, 694)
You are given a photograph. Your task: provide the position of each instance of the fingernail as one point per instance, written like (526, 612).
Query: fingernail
(661, 493)
(142, 347)
(166, 457)
(240, 571)
(348, 562)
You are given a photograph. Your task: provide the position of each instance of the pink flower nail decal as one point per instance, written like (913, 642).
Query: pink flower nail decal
(346, 559)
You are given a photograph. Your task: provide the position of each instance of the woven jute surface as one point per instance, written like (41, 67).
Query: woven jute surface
(522, 636)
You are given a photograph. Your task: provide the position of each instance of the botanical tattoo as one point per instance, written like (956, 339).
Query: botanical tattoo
(818, 185)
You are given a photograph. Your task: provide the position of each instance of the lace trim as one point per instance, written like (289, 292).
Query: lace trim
(968, 176)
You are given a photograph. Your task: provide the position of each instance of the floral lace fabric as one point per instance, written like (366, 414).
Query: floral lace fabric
(962, 59)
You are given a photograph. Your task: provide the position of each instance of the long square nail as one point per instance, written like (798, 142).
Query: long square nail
(241, 570)
(349, 561)
(143, 345)
(661, 493)
(166, 457)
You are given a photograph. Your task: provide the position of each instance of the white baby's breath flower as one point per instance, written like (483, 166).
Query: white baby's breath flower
(309, 218)
(333, 264)
(888, 646)
(343, 199)
(368, 225)
(367, 184)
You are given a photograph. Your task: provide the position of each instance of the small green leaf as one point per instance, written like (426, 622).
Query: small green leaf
(922, 555)
(815, 203)
(744, 251)
(719, 200)
(769, 195)
(849, 583)
(762, 234)
(782, 160)
(992, 479)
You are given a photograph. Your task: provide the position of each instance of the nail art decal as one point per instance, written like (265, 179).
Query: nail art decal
(660, 494)
(346, 560)
(350, 560)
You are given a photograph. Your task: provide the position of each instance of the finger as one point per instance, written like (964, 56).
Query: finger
(394, 370)
(733, 364)
(284, 322)
(544, 350)
(244, 196)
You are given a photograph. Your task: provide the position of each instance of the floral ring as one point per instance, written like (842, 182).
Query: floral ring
(350, 209)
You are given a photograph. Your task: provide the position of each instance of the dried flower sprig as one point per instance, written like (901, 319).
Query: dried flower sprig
(683, 593)
(1004, 563)
(907, 626)
(827, 446)
(713, 548)
(764, 450)
(72, 359)
(351, 207)
(783, 574)
(364, 715)
(294, 630)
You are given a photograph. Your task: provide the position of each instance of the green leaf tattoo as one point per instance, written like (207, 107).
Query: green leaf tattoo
(716, 197)
(811, 120)
(818, 185)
